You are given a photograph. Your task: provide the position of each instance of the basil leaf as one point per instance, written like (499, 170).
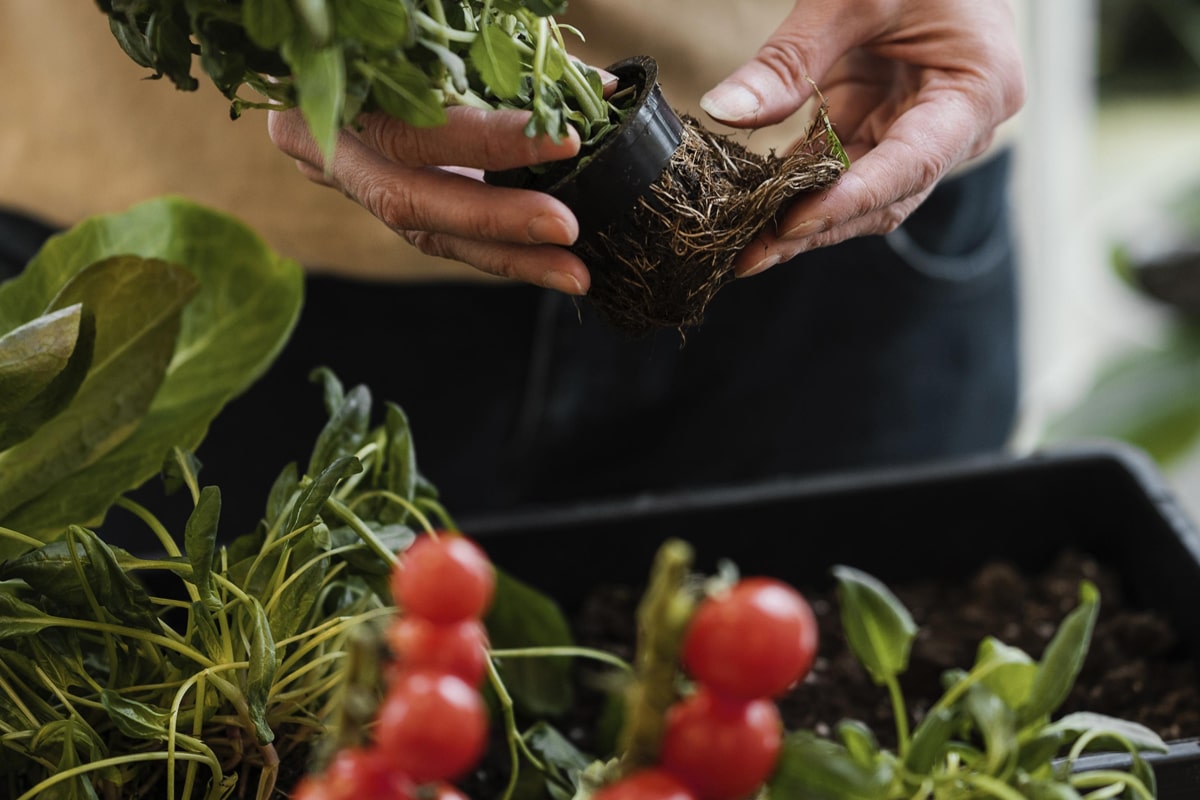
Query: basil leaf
(403, 90)
(818, 769)
(269, 23)
(320, 80)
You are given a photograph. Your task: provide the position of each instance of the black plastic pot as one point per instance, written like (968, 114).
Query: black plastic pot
(606, 183)
(939, 521)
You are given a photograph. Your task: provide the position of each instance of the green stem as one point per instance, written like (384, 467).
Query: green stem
(9, 533)
(116, 761)
(443, 31)
(992, 787)
(516, 743)
(152, 522)
(561, 652)
(901, 715)
(1107, 777)
(346, 515)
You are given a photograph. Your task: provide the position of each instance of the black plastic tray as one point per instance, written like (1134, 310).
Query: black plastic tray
(1102, 498)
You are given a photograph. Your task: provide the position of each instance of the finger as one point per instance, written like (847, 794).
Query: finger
(436, 200)
(471, 137)
(779, 79)
(540, 265)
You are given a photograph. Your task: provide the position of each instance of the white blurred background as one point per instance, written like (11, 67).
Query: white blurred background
(1108, 187)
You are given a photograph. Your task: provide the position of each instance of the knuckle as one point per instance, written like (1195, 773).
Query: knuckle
(391, 203)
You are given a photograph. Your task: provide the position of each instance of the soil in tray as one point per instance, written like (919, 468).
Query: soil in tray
(1136, 668)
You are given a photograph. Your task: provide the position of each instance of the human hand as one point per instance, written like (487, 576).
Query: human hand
(914, 88)
(426, 184)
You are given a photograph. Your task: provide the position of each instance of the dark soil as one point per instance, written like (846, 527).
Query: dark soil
(1135, 669)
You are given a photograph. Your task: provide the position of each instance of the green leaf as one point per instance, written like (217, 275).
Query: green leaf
(319, 74)
(317, 18)
(261, 674)
(498, 60)
(286, 484)
(268, 22)
(1049, 790)
(1010, 672)
(343, 434)
(137, 304)
(42, 364)
(135, 719)
(200, 543)
(521, 616)
(564, 761)
(1106, 729)
(879, 629)
(204, 632)
(404, 91)
(381, 23)
(859, 741)
(123, 597)
(997, 724)
(1063, 658)
(318, 490)
(18, 618)
(818, 769)
(291, 609)
(396, 538)
(232, 329)
(929, 740)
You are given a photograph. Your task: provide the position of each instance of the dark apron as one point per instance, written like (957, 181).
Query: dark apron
(880, 351)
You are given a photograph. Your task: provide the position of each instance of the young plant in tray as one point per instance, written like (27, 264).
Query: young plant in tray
(664, 205)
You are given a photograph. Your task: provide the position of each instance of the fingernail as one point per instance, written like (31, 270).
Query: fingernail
(730, 102)
(563, 282)
(804, 229)
(548, 229)
(761, 266)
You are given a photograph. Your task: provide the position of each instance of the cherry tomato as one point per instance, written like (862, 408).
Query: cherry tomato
(459, 648)
(444, 579)
(433, 726)
(357, 774)
(646, 784)
(722, 748)
(757, 639)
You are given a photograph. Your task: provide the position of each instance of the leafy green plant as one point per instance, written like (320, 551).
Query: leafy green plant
(990, 735)
(122, 339)
(337, 58)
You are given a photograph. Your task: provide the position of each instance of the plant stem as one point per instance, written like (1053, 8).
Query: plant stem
(900, 712)
(1105, 777)
(562, 652)
(343, 512)
(662, 617)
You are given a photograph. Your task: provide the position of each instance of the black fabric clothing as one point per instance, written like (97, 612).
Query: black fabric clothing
(883, 350)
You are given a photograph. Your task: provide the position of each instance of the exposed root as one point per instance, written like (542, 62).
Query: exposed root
(664, 263)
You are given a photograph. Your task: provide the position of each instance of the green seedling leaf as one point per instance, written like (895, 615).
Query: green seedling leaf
(396, 538)
(200, 543)
(879, 629)
(930, 739)
(317, 18)
(996, 723)
(261, 674)
(498, 60)
(247, 304)
(563, 760)
(205, 635)
(181, 468)
(319, 74)
(403, 90)
(292, 606)
(343, 434)
(520, 617)
(1063, 658)
(286, 485)
(818, 769)
(1009, 672)
(380, 23)
(399, 474)
(859, 741)
(42, 364)
(1049, 790)
(269, 23)
(331, 388)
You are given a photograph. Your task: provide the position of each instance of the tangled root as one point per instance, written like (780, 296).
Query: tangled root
(666, 260)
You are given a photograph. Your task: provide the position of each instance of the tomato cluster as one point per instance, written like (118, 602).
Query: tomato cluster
(432, 724)
(743, 647)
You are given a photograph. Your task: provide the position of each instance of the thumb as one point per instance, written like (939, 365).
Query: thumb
(774, 84)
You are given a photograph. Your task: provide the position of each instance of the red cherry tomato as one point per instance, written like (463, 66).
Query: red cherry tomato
(459, 648)
(722, 748)
(755, 640)
(357, 774)
(444, 579)
(646, 784)
(433, 726)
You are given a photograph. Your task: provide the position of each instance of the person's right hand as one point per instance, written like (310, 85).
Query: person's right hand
(426, 184)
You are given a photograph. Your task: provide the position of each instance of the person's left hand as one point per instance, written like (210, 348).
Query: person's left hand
(914, 89)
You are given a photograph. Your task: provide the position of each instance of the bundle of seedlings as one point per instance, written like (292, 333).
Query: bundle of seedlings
(664, 205)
